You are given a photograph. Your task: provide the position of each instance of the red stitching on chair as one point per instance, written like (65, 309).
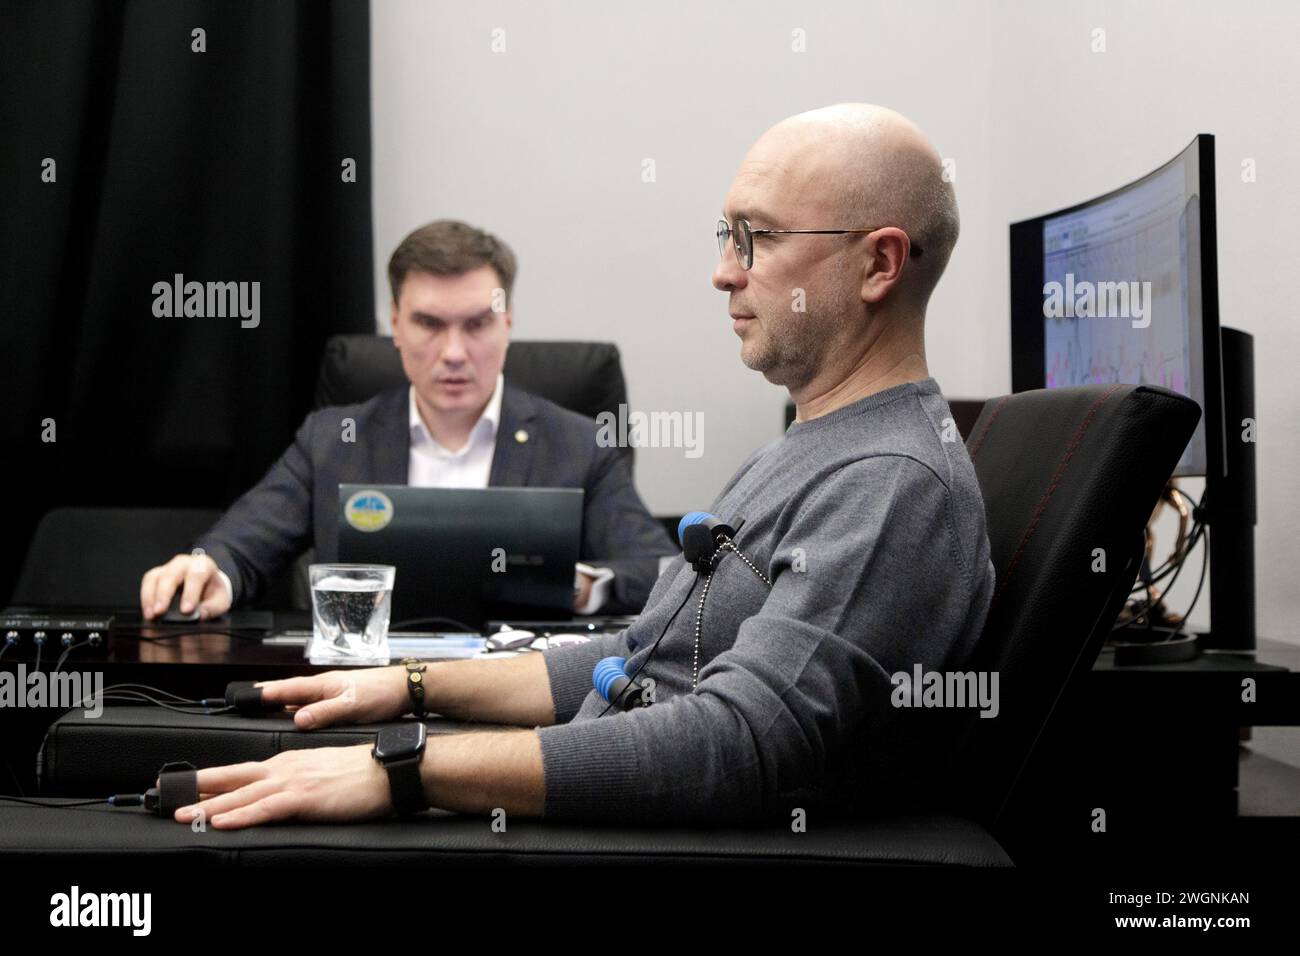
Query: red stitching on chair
(1061, 466)
(997, 410)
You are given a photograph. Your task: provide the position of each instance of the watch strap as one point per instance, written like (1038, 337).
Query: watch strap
(406, 786)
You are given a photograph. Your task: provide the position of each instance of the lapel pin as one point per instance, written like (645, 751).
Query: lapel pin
(521, 436)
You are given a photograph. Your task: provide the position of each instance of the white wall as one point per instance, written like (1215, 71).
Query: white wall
(544, 144)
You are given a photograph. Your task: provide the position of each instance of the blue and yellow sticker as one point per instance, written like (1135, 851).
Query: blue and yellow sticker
(368, 510)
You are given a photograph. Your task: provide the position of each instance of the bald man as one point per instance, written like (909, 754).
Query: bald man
(765, 676)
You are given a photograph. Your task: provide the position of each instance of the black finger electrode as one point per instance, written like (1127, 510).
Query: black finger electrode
(246, 698)
(178, 786)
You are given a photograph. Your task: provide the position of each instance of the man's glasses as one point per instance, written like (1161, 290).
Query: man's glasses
(743, 238)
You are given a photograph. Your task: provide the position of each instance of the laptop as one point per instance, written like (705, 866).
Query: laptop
(466, 555)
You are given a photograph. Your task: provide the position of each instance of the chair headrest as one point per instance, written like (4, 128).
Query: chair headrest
(585, 377)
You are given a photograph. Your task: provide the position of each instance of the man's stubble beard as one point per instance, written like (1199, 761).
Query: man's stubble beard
(791, 354)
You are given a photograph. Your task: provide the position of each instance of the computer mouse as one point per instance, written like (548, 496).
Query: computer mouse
(174, 615)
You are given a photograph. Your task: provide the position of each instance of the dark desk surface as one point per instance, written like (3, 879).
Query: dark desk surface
(238, 644)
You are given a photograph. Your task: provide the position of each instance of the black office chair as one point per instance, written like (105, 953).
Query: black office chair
(1067, 475)
(95, 557)
(1063, 472)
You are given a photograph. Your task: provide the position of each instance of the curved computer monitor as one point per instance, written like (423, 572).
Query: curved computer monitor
(1124, 288)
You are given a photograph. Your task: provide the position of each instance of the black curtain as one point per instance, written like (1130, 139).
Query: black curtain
(224, 165)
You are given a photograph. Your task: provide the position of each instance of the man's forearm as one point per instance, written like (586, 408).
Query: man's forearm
(516, 690)
(483, 772)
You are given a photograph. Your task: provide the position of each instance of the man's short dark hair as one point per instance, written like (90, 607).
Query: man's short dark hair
(449, 247)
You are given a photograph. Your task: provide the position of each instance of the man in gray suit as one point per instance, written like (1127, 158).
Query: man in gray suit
(458, 425)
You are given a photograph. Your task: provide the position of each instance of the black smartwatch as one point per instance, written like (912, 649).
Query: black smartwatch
(399, 749)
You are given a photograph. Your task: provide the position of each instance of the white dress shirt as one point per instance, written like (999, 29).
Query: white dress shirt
(431, 465)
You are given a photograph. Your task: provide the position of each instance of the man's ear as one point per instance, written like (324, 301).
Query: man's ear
(887, 251)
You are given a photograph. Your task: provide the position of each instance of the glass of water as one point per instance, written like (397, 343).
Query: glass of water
(350, 606)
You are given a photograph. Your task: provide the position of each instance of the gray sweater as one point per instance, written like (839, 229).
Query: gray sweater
(869, 523)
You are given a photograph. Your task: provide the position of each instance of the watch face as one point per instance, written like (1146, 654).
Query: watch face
(403, 740)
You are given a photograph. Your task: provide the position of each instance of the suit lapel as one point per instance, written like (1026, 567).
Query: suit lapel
(391, 433)
(512, 459)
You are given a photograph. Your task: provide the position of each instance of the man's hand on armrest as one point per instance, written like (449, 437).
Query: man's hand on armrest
(356, 696)
(508, 691)
(467, 773)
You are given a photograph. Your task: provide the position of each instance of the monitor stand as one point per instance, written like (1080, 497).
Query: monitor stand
(1230, 516)
(1156, 649)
